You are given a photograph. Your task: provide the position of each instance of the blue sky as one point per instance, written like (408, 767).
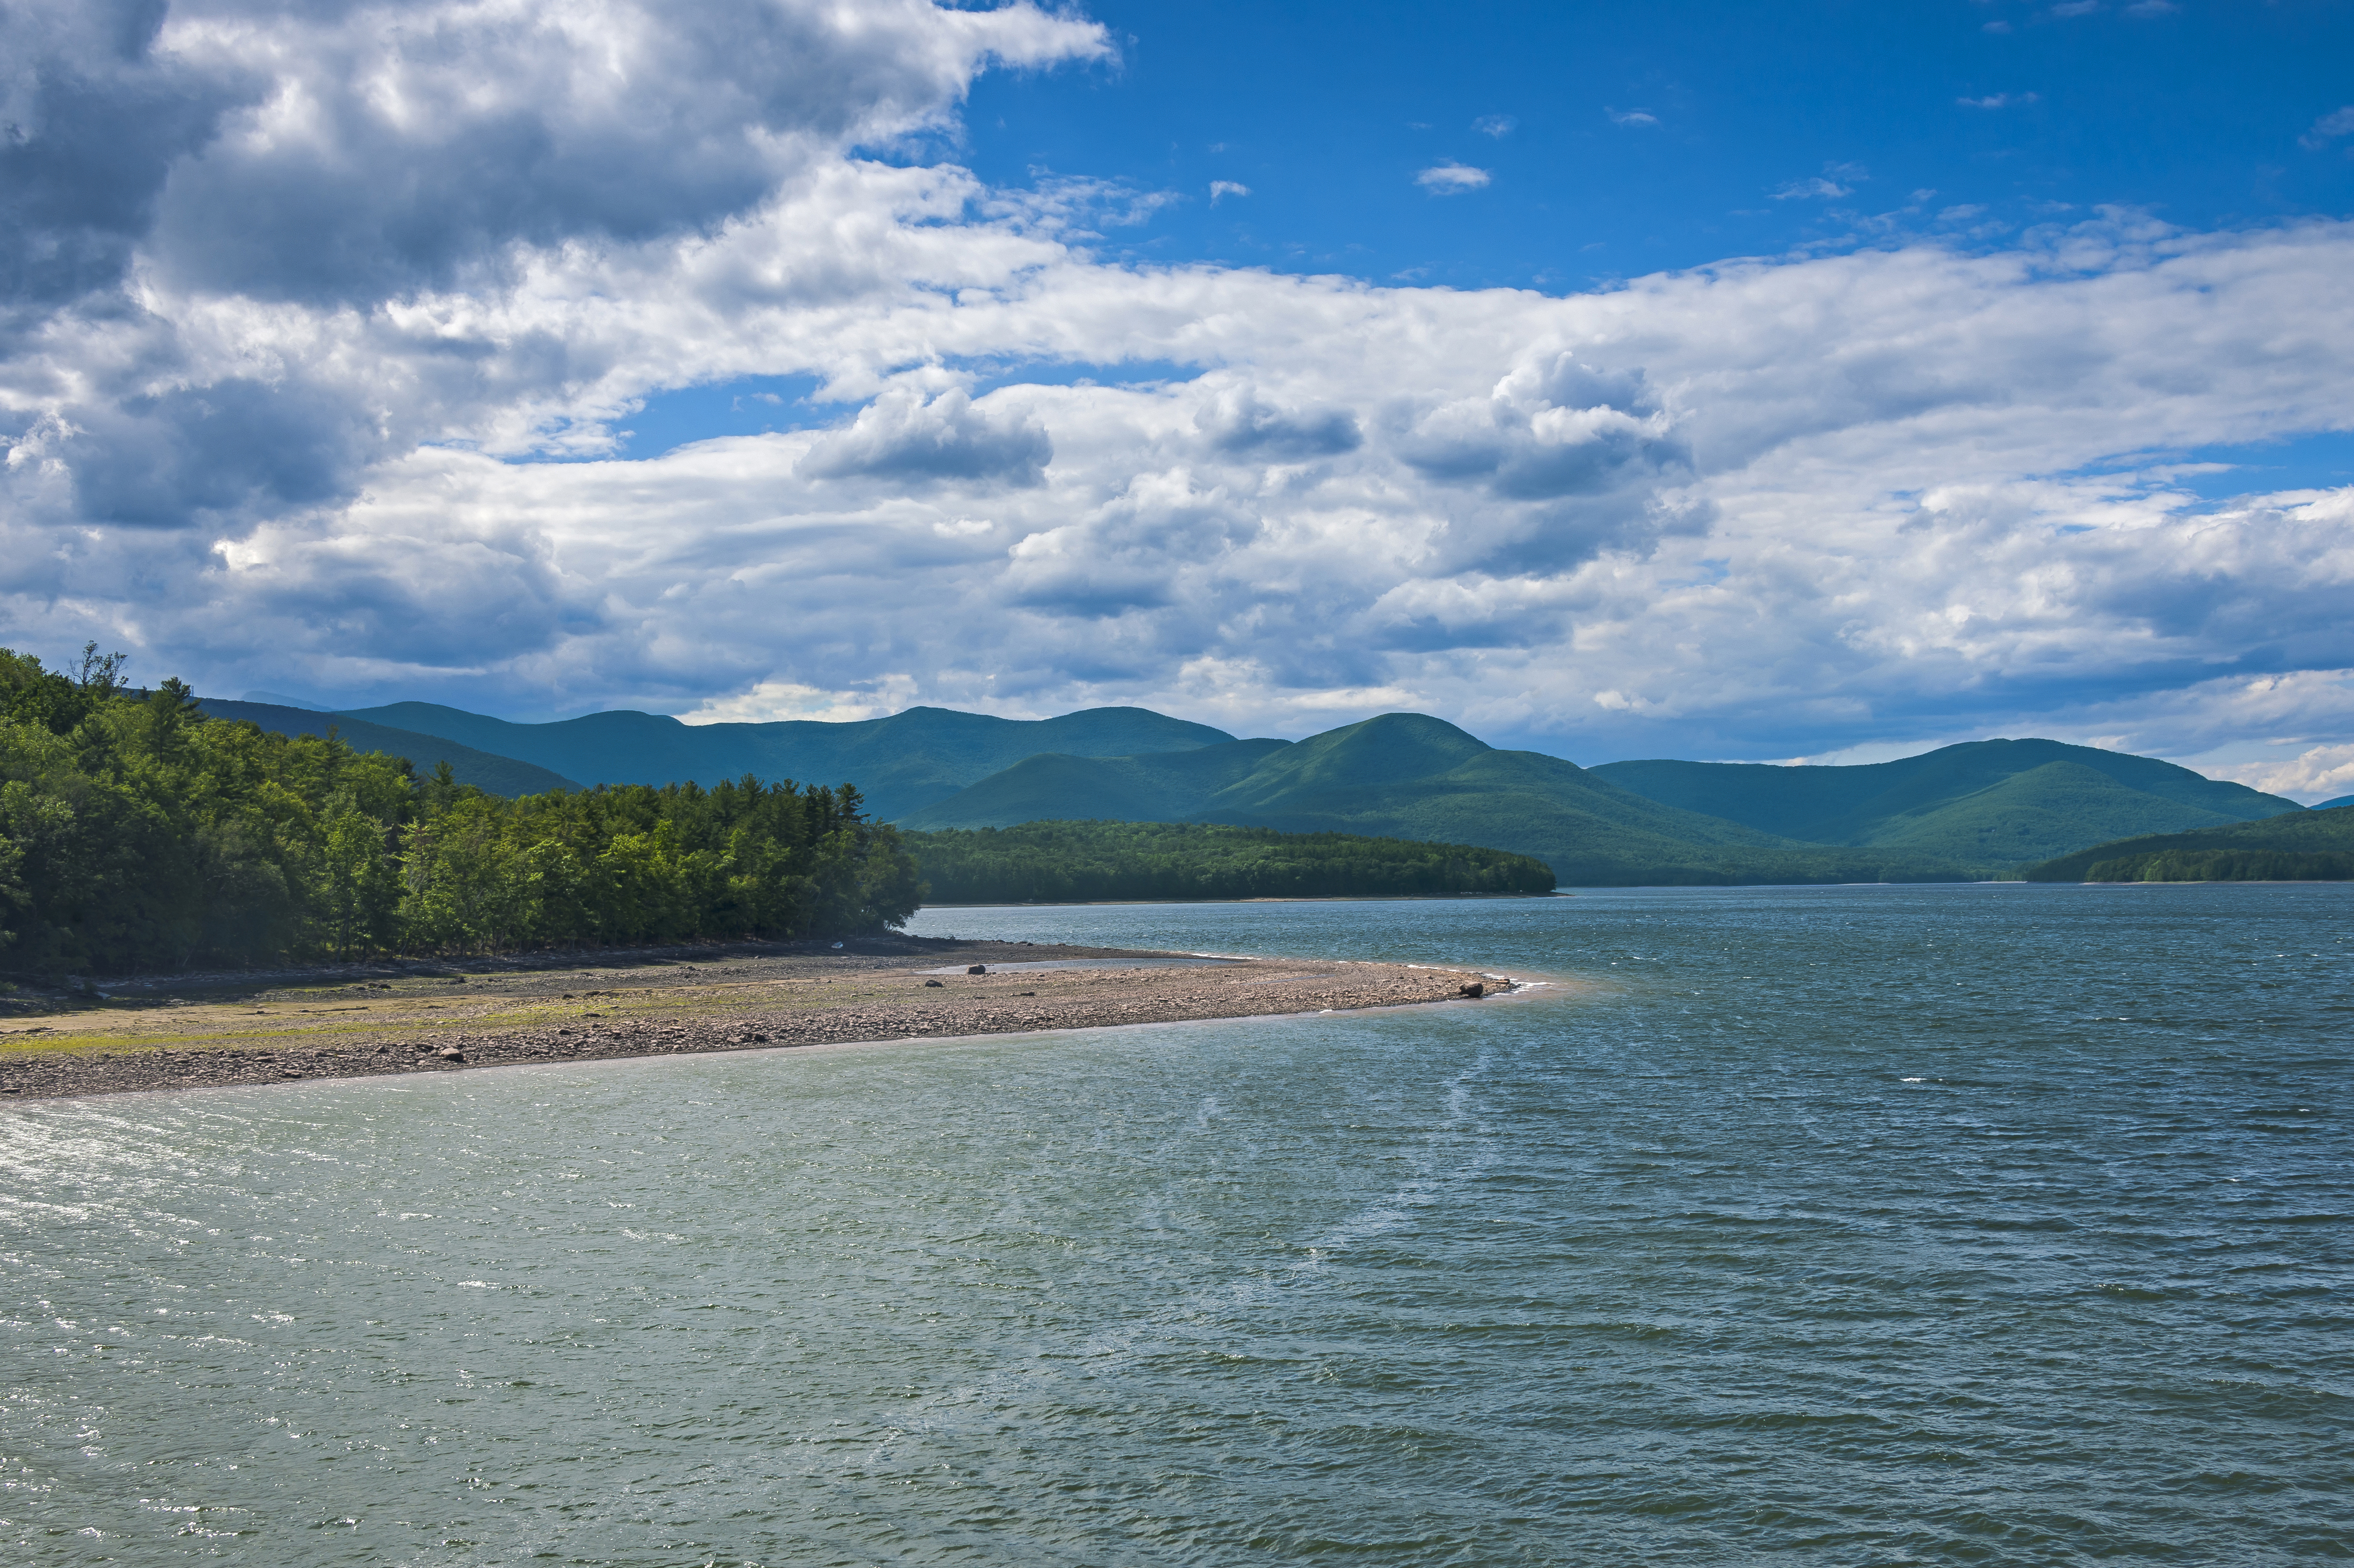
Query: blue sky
(1625, 139)
(1803, 381)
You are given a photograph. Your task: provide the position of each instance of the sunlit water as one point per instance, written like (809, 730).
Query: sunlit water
(1842, 1227)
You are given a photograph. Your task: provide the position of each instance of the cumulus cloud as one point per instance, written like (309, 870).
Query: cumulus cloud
(1766, 507)
(1496, 125)
(2311, 775)
(1631, 117)
(1221, 189)
(254, 249)
(1237, 422)
(399, 146)
(903, 439)
(1451, 179)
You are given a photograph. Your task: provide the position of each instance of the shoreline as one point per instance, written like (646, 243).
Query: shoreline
(353, 1022)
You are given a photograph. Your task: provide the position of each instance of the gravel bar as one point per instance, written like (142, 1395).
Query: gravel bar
(424, 1017)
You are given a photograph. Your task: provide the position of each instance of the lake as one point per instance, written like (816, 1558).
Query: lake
(1844, 1225)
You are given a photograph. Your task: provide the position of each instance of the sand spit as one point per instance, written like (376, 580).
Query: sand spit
(358, 1022)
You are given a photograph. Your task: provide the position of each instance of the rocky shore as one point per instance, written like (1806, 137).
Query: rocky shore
(433, 1018)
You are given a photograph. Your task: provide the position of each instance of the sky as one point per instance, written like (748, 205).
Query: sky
(1825, 381)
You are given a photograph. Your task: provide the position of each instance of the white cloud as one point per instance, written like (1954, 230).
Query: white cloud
(1771, 506)
(1221, 189)
(2328, 128)
(1496, 125)
(768, 701)
(1631, 117)
(1451, 179)
(1836, 180)
(906, 443)
(1815, 188)
(2315, 774)
(1999, 99)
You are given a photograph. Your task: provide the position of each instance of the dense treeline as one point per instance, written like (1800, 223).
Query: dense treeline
(1076, 861)
(2225, 866)
(2297, 846)
(135, 833)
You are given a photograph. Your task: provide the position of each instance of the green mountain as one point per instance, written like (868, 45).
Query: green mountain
(2333, 805)
(1981, 809)
(1160, 789)
(1990, 803)
(2314, 845)
(497, 775)
(1408, 775)
(901, 763)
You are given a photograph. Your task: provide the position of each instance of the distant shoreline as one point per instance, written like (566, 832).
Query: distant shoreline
(1272, 898)
(354, 1023)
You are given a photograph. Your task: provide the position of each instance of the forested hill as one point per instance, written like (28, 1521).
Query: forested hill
(1990, 803)
(1977, 811)
(1097, 861)
(2310, 846)
(137, 833)
(494, 775)
(1409, 776)
(903, 762)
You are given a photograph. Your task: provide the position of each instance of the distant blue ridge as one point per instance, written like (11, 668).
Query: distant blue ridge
(1976, 810)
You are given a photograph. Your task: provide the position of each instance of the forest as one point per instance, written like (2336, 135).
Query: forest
(1080, 862)
(137, 834)
(2226, 865)
(2314, 845)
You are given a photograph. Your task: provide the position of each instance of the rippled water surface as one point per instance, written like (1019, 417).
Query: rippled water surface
(1845, 1226)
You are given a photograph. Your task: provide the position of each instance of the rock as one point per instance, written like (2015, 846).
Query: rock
(931, 982)
(451, 1054)
(978, 970)
(1474, 989)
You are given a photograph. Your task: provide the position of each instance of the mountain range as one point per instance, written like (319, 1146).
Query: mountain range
(901, 763)
(1981, 809)
(1988, 802)
(485, 770)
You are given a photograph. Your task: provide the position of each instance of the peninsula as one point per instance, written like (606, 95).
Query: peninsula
(367, 1021)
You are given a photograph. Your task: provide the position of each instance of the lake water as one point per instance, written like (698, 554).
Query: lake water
(1865, 1225)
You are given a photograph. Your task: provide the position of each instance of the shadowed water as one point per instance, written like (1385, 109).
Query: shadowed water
(1839, 1225)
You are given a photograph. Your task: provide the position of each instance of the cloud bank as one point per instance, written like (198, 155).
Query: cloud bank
(321, 321)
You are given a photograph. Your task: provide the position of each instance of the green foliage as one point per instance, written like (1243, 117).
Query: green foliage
(1987, 802)
(2298, 846)
(493, 775)
(2225, 865)
(1079, 861)
(136, 833)
(1409, 776)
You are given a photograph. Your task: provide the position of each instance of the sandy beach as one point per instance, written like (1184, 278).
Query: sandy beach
(413, 1017)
